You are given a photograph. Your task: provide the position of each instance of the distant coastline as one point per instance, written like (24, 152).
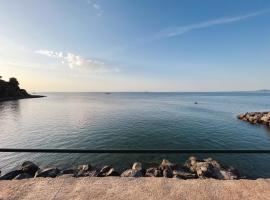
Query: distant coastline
(10, 90)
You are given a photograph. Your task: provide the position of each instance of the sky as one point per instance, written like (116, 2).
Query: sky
(142, 45)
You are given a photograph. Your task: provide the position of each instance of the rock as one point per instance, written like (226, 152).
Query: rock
(67, 171)
(191, 163)
(208, 170)
(176, 177)
(131, 173)
(184, 175)
(256, 117)
(158, 173)
(241, 116)
(153, 172)
(137, 166)
(48, 172)
(167, 173)
(84, 167)
(266, 118)
(231, 173)
(165, 164)
(29, 168)
(227, 175)
(82, 170)
(150, 172)
(23, 176)
(112, 172)
(93, 173)
(105, 169)
(11, 175)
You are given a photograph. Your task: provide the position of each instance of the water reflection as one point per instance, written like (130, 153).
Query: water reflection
(10, 108)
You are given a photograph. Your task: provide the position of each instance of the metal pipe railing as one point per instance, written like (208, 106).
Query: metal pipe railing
(138, 151)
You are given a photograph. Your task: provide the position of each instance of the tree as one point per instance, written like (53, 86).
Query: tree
(13, 81)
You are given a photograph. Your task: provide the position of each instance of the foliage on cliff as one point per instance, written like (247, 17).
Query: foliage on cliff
(11, 89)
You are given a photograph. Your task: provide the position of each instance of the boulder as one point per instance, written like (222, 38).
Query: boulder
(158, 173)
(67, 171)
(207, 168)
(93, 173)
(227, 175)
(112, 172)
(137, 166)
(48, 172)
(82, 170)
(167, 173)
(191, 163)
(131, 173)
(150, 172)
(241, 116)
(29, 168)
(165, 164)
(105, 169)
(183, 174)
(23, 176)
(266, 118)
(11, 175)
(84, 167)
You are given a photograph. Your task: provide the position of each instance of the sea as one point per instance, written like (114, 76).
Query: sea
(146, 120)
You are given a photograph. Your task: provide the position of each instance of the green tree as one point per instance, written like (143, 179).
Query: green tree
(13, 81)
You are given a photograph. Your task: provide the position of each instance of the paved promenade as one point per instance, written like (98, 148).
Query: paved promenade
(133, 188)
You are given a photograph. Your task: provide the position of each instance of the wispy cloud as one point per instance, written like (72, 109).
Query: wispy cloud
(76, 61)
(96, 6)
(179, 30)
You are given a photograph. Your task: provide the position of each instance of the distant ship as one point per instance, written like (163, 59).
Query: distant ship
(107, 93)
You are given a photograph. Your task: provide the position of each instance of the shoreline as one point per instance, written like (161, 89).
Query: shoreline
(18, 98)
(193, 168)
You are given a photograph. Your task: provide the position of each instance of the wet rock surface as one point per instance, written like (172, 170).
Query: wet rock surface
(256, 117)
(29, 168)
(48, 172)
(193, 168)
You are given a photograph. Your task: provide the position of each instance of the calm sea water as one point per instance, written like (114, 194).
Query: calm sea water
(137, 121)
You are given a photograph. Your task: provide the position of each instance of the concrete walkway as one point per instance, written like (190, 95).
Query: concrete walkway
(133, 188)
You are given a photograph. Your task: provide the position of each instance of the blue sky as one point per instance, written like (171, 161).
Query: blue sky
(122, 45)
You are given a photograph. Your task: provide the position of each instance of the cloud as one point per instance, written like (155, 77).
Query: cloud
(50, 53)
(179, 30)
(96, 6)
(76, 61)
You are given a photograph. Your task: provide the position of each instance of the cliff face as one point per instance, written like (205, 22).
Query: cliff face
(11, 89)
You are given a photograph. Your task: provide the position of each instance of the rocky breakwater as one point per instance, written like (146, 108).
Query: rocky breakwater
(256, 117)
(191, 169)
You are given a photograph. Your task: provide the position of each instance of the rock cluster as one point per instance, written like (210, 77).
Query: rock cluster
(256, 117)
(192, 169)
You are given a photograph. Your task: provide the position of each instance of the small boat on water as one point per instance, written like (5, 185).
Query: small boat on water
(195, 102)
(107, 93)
